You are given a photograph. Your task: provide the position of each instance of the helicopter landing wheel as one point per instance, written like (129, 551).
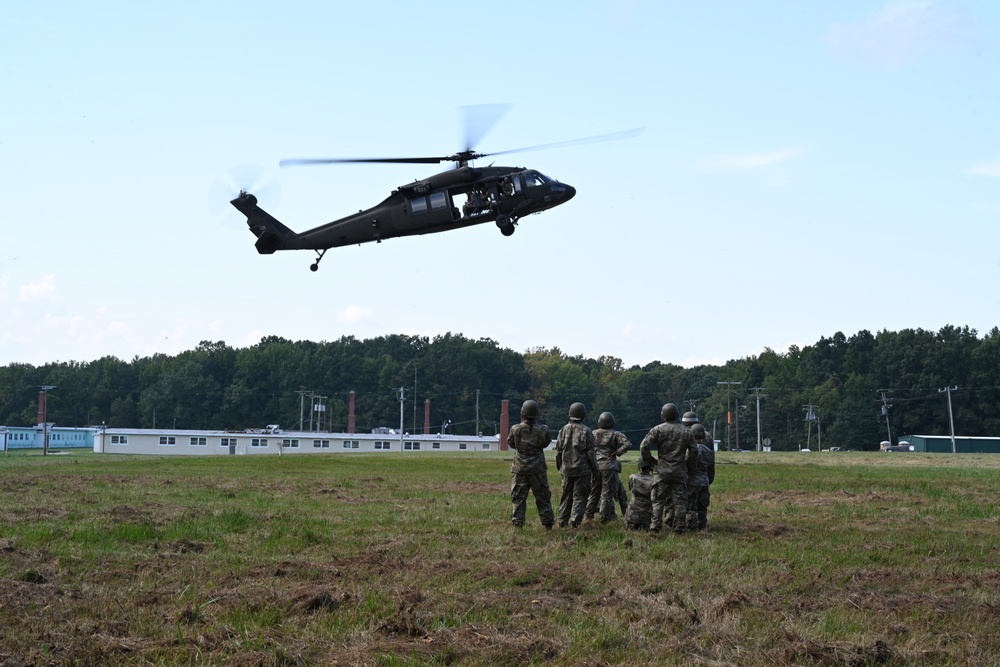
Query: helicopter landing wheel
(507, 230)
(503, 220)
(315, 265)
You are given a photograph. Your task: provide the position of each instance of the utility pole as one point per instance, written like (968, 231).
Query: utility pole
(738, 407)
(319, 409)
(415, 399)
(757, 394)
(477, 412)
(401, 394)
(729, 410)
(951, 418)
(885, 413)
(302, 405)
(45, 418)
(810, 418)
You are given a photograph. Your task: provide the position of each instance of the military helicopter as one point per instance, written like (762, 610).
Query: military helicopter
(487, 194)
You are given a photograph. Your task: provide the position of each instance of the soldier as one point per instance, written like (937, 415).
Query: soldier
(698, 485)
(577, 461)
(640, 511)
(609, 445)
(677, 451)
(528, 473)
(689, 419)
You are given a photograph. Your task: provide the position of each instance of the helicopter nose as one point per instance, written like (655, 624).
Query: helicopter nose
(563, 192)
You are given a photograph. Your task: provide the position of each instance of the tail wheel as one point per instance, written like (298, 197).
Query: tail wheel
(507, 230)
(319, 255)
(503, 220)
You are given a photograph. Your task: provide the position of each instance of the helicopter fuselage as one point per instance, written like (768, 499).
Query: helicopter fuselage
(449, 200)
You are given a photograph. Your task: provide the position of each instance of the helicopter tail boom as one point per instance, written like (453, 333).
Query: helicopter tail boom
(271, 234)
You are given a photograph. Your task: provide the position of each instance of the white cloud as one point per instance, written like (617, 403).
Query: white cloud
(898, 34)
(986, 169)
(354, 314)
(734, 162)
(44, 288)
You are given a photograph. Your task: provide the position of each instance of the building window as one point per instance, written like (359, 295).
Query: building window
(321, 444)
(435, 445)
(119, 440)
(462, 445)
(258, 442)
(290, 443)
(228, 442)
(411, 445)
(381, 444)
(351, 444)
(199, 442)
(486, 445)
(168, 440)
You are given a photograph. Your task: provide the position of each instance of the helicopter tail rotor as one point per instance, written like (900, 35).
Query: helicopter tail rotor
(246, 178)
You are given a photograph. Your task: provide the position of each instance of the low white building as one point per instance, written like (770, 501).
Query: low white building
(276, 441)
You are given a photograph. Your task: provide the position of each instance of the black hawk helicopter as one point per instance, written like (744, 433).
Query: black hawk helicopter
(487, 194)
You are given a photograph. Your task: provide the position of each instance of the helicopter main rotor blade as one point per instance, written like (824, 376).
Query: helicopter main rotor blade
(480, 119)
(391, 160)
(614, 136)
(463, 157)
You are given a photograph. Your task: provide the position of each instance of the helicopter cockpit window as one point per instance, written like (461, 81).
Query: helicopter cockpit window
(439, 200)
(533, 178)
(418, 205)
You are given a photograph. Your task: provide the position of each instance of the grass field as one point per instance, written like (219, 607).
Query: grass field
(810, 559)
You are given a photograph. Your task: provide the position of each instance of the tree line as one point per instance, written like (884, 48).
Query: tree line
(852, 392)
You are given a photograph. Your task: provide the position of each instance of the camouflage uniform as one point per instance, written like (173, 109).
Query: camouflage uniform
(640, 512)
(621, 496)
(577, 462)
(677, 451)
(699, 496)
(609, 445)
(528, 473)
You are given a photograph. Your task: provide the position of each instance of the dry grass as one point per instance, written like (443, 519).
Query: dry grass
(811, 559)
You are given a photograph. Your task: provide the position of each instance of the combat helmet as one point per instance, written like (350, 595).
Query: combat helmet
(578, 411)
(689, 418)
(529, 409)
(669, 412)
(698, 430)
(606, 420)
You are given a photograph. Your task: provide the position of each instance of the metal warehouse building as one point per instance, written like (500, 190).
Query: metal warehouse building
(963, 444)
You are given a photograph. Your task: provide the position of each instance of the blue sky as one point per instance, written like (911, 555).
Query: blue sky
(805, 168)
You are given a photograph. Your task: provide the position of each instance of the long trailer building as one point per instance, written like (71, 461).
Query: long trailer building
(274, 440)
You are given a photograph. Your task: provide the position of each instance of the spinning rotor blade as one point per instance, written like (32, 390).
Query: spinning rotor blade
(614, 136)
(292, 162)
(488, 111)
(244, 178)
(480, 119)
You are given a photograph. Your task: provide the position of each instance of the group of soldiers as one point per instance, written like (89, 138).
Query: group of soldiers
(670, 489)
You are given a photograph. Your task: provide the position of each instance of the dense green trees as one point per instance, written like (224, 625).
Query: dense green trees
(216, 386)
